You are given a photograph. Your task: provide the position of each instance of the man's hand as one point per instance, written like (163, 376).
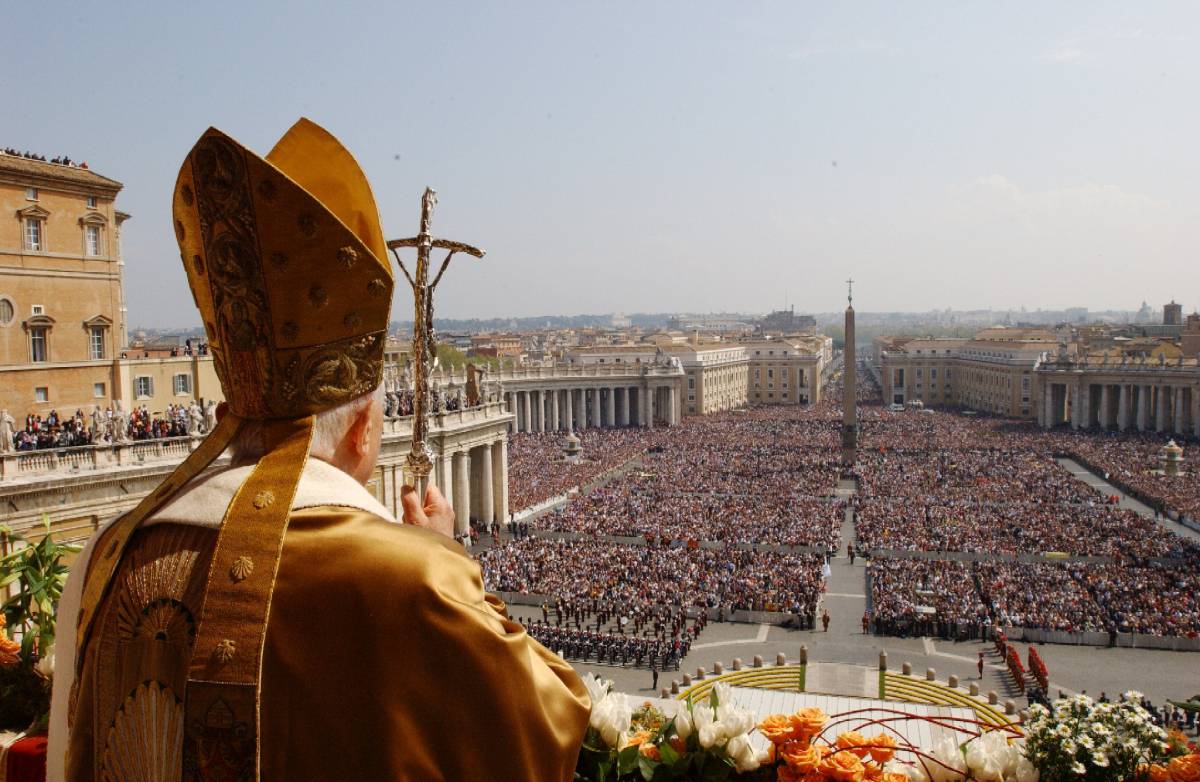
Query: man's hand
(437, 514)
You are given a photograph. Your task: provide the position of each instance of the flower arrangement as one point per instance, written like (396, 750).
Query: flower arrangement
(711, 740)
(33, 575)
(1097, 742)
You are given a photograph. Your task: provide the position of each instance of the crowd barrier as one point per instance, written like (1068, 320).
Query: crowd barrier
(1123, 640)
(749, 617)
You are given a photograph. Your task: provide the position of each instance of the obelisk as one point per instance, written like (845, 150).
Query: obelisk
(849, 387)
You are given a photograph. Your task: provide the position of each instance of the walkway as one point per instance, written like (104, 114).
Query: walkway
(1092, 479)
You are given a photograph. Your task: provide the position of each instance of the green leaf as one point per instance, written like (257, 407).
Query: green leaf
(667, 753)
(646, 766)
(626, 760)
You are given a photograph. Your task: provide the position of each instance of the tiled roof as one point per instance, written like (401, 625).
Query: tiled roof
(82, 176)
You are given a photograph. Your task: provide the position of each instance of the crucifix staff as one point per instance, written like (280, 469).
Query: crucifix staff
(423, 346)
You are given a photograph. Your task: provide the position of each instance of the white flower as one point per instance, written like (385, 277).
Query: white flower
(951, 766)
(709, 734)
(1079, 768)
(45, 665)
(742, 754)
(1100, 759)
(734, 722)
(990, 757)
(1026, 771)
(611, 718)
(683, 723)
(597, 688)
(1086, 742)
(914, 772)
(724, 693)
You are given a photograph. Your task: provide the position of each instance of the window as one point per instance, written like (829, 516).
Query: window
(31, 194)
(38, 345)
(182, 384)
(91, 202)
(98, 390)
(143, 387)
(96, 341)
(38, 309)
(7, 312)
(33, 234)
(691, 382)
(41, 394)
(94, 244)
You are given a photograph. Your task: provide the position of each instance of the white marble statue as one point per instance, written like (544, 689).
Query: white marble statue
(195, 418)
(8, 428)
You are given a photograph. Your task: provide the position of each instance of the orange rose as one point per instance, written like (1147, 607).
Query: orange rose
(882, 747)
(872, 773)
(638, 738)
(1157, 774)
(1184, 769)
(808, 722)
(893, 776)
(678, 744)
(777, 728)
(853, 741)
(650, 751)
(842, 767)
(803, 757)
(789, 774)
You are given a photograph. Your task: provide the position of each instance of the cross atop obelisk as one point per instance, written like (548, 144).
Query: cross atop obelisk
(849, 385)
(424, 348)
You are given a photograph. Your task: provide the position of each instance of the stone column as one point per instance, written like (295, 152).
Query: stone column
(555, 421)
(1123, 408)
(445, 479)
(1177, 392)
(673, 402)
(1160, 414)
(612, 406)
(596, 422)
(1076, 405)
(570, 410)
(500, 480)
(648, 392)
(487, 486)
(527, 407)
(1087, 405)
(1195, 412)
(624, 406)
(1104, 419)
(1143, 408)
(462, 493)
(541, 411)
(1047, 414)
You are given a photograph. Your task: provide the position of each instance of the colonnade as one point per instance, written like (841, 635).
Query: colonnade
(593, 407)
(1145, 406)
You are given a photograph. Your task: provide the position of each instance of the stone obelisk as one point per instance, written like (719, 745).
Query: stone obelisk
(849, 387)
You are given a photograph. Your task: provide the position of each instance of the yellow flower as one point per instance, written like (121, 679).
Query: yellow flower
(803, 756)
(853, 741)
(1184, 769)
(777, 728)
(808, 722)
(883, 748)
(842, 767)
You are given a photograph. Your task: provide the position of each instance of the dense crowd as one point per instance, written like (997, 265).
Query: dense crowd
(104, 426)
(634, 579)
(538, 467)
(1067, 597)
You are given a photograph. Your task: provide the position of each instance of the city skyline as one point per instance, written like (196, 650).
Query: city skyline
(681, 158)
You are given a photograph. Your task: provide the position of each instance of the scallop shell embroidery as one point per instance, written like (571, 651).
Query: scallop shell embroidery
(145, 742)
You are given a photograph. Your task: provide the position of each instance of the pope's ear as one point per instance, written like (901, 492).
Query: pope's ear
(361, 430)
(222, 409)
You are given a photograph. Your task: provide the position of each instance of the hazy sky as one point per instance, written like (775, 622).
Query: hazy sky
(658, 156)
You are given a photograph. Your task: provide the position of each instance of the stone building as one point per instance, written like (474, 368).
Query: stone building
(991, 372)
(788, 370)
(717, 373)
(62, 307)
(1118, 392)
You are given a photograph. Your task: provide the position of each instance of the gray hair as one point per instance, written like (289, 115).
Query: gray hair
(328, 430)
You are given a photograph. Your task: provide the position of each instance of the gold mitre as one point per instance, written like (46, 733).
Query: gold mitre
(288, 266)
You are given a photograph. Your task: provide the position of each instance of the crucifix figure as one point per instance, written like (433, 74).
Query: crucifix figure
(424, 348)
(850, 291)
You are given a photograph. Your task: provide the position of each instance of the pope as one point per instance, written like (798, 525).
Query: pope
(270, 619)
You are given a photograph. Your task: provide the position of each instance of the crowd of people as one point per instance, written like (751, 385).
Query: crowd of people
(633, 579)
(538, 467)
(104, 426)
(61, 160)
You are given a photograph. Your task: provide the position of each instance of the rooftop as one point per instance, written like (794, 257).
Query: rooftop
(23, 166)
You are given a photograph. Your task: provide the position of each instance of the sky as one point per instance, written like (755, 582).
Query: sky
(668, 156)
